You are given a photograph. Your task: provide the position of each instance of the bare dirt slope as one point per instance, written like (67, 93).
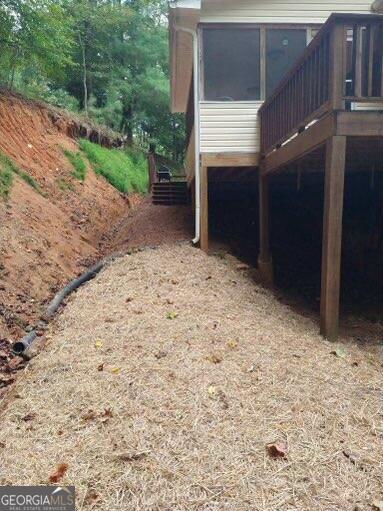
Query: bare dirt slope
(45, 238)
(162, 384)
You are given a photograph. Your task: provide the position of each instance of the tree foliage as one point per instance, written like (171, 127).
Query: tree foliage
(107, 58)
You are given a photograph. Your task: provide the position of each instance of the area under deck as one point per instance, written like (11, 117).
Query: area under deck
(325, 116)
(333, 98)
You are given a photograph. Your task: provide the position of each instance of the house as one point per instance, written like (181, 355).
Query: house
(275, 85)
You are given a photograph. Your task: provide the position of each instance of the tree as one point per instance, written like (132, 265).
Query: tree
(107, 57)
(33, 33)
(96, 25)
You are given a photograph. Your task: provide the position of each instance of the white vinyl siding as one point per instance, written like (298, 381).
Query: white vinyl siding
(230, 127)
(278, 11)
(233, 127)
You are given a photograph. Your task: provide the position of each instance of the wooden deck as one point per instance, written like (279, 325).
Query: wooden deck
(326, 115)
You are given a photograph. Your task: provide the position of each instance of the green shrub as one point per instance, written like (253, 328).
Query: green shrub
(126, 170)
(79, 166)
(8, 168)
(30, 180)
(64, 185)
(6, 180)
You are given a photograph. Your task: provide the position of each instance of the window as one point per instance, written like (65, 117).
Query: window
(283, 48)
(231, 64)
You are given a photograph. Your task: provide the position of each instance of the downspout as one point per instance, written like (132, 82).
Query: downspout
(197, 144)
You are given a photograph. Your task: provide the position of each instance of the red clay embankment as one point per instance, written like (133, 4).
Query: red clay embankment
(46, 238)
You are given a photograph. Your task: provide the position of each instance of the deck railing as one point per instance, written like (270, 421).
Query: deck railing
(343, 65)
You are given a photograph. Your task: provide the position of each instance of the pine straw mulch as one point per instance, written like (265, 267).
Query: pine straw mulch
(165, 378)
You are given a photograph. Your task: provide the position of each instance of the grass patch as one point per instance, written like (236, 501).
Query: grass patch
(6, 180)
(64, 186)
(125, 170)
(31, 181)
(79, 166)
(7, 169)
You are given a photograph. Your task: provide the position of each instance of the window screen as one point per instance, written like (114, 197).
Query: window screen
(283, 48)
(231, 64)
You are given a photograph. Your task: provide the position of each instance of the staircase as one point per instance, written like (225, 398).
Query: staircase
(170, 194)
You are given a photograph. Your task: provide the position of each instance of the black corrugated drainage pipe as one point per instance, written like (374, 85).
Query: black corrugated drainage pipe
(24, 345)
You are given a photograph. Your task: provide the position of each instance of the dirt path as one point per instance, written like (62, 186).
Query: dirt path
(165, 378)
(150, 225)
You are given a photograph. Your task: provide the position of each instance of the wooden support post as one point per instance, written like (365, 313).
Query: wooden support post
(265, 263)
(204, 235)
(191, 191)
(332, 235)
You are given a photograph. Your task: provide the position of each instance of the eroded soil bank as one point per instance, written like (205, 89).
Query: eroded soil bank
(49, 234)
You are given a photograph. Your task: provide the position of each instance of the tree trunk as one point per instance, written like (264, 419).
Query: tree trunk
(15, 57)
(85, 80)
(126, 122)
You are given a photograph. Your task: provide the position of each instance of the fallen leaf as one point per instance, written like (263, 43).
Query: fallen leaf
(59, 474)
(100, 368)
(131, 456)
(98, 344)
(172, 315)
(252, 369)
(277, 449)
(29, 417)
(89, 416)
(339, 352)
(212, 391)
(116, 370)
(92, 497)
(232, 344)
(350, 456)
(107, 413)
(161, 354)
(214, 359)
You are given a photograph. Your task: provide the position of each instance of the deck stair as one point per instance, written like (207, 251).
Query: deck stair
(170, 194)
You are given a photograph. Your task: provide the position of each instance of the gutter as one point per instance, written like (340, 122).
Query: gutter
(197, 134)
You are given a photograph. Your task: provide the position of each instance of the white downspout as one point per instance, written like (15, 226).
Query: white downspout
(197, 143)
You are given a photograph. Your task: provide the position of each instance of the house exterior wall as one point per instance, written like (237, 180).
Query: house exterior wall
(233, 127)
(230, 127)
